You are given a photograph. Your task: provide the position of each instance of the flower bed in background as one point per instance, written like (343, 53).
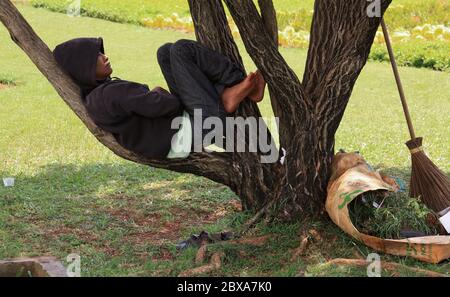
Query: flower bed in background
(420, 29)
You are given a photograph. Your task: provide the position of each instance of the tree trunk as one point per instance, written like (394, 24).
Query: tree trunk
(309, 112)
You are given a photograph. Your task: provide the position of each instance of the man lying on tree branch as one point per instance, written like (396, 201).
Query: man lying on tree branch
(141, 119)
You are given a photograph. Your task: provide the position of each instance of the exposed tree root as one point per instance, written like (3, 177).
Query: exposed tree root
(249, 224)
(215, 262)
(316, 235)
(304, 240)
(214, 265)
(385, 265)
(201, 254)
(358, 255)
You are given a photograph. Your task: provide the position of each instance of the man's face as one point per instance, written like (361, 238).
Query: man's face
(104, 69)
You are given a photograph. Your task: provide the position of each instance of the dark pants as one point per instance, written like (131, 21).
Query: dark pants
(198, 75)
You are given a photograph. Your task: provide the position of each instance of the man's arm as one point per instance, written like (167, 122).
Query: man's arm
(155, 103)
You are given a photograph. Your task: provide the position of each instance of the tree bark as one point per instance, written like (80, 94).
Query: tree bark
(254, 182)
(269, 18)
(341, 37)
(309, 111)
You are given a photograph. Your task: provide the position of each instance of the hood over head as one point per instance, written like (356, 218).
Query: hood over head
(78, 57)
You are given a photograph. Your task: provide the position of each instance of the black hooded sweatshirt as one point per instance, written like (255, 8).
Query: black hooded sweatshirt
(139, 119)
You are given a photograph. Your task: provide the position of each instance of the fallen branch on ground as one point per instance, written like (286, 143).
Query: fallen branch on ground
(384, 265)
(304, 240)
(316, 235)
(215, 264)
(201, 254)
(249, 224)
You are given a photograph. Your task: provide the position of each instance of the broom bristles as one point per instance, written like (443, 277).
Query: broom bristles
(428, 182)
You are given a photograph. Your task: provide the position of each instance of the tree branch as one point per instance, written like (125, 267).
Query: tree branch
(217, 167)
(292, 105)
(269, 18)
(212, 30)
(338, 50)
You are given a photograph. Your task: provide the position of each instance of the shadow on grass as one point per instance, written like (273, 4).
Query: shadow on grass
(71, 194)
(110, 217)
(94, 179)
(63, 206)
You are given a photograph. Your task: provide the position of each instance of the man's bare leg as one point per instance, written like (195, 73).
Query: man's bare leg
(257, 95)
(232, 97)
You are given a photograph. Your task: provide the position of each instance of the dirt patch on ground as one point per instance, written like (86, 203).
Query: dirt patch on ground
(84, 235)
(220, 211)
(170, 231)
(2, 86)
(139, 218)
(164, 254)
(144, 228)
(202, 217)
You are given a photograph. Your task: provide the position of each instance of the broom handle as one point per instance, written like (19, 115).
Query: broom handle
(398, 80)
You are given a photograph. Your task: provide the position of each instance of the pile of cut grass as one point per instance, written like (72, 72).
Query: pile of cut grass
(388, 215)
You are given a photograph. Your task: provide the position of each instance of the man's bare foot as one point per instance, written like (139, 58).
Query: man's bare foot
(257, 95)
(232, 97)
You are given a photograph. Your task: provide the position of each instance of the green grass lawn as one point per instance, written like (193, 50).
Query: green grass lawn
(134, 11)
(72, 195)
(291, 15)
(146, 8)
(139, 9)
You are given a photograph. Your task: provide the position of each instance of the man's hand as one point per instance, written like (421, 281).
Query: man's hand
(161, 91)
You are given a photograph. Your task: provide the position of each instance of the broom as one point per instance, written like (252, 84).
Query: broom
(428, 182)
